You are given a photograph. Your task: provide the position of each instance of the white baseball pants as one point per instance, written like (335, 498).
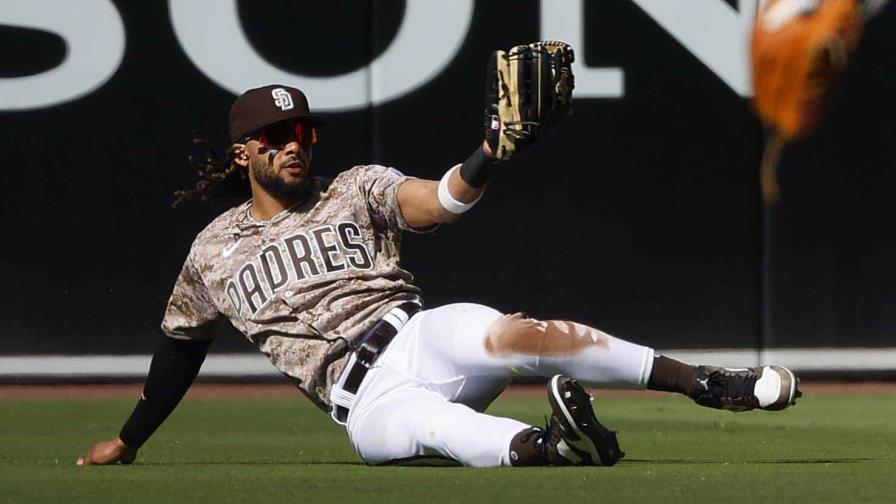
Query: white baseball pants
(423, 400)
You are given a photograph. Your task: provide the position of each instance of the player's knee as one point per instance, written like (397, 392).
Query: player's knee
(518, 334)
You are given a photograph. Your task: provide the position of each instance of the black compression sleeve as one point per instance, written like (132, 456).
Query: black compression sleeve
(477, 169)
(174, 367)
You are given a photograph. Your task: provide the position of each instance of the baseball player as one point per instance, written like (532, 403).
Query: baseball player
(308, 270)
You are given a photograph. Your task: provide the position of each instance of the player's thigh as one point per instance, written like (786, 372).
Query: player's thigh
(444, 344)
(452, 341)
(467, 339)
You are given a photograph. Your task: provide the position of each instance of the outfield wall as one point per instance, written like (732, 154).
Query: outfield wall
(639, 215)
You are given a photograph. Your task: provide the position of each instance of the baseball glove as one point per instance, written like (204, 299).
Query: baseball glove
(528, 89)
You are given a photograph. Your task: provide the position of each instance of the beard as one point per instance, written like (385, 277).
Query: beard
(276, 186)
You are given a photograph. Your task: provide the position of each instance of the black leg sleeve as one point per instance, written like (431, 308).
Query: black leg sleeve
(174, 367)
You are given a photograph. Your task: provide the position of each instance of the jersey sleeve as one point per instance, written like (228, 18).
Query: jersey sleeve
(379, 185)
(191, 314)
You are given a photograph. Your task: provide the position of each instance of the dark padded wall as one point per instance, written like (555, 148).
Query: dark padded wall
(638, 215)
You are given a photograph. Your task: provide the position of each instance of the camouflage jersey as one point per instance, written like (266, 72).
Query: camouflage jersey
(303, 285)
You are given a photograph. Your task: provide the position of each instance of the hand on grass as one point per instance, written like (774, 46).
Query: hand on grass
(109, 452)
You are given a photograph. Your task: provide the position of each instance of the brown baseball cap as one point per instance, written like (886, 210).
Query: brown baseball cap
(266, 105)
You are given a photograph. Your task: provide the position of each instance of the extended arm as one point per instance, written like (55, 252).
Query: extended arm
(174, 367)
(528, 89)
(419, 199)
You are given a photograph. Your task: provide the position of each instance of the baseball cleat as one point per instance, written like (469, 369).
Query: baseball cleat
(580, 438)
(743, 389)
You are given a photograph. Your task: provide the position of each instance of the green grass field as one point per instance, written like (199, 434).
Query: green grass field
(827, 449)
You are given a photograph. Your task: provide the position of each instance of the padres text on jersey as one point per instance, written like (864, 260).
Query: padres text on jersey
(305, 284)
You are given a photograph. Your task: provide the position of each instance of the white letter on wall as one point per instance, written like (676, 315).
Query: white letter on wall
(430, 35)
(94, 39)
(565, 21)
(714, 32)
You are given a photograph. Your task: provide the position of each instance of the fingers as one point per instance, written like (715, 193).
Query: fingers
(85, 460)
(108, 452)
(91, 457)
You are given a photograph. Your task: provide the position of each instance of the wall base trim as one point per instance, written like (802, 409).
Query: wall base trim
(249, 365)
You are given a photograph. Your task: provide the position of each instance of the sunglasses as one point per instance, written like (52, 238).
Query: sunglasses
(283, 132)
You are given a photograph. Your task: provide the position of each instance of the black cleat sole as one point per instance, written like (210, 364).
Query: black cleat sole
(594, 443)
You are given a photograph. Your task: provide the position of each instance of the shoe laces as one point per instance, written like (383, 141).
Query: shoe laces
(729, 386)
(735, 383)
(545, 439)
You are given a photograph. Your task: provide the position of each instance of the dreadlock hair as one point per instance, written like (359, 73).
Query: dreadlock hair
(219, 177)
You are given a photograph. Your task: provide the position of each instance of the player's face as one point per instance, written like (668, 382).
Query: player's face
(280, 159)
